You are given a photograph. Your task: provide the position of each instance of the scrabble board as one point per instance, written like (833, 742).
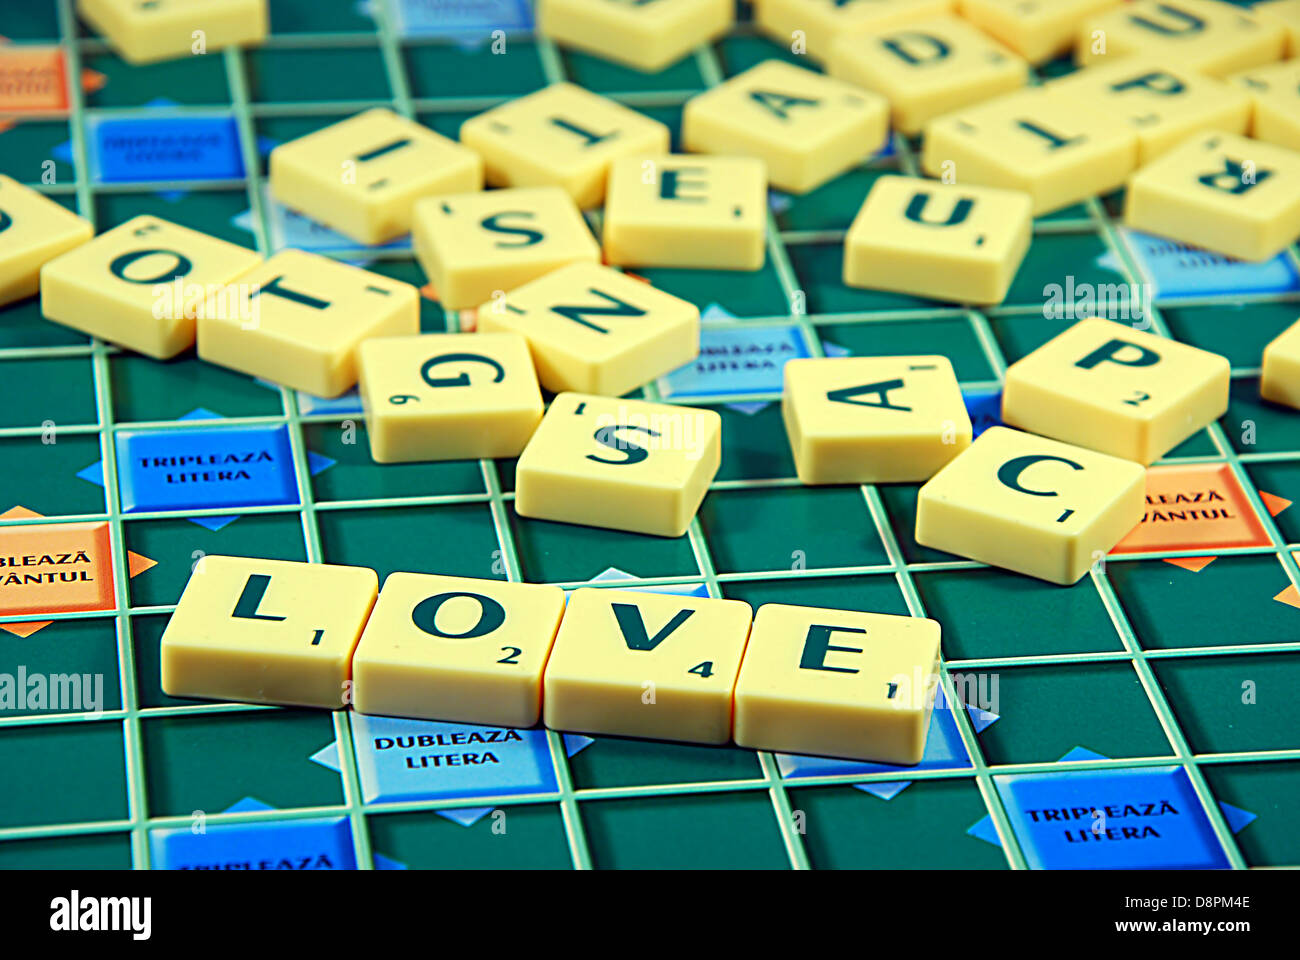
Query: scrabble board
(1157, 694)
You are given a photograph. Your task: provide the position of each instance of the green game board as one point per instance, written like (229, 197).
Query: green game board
(1144, 666)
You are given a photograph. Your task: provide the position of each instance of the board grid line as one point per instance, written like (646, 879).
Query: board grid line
(246, 112)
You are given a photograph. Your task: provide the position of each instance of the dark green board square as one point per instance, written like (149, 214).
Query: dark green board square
(1076, 213)
(1045, 712)
(922, 828)
(1199, 444)
(21, 325)
(1113, 203)
(671, 117)
(900, 502)
(790, 528)
(63, 773)
(176, 545)
(754, 445)
(819, 273)
(1272, 427)
(312, 16)
(355, 476)
(59, 390)
(1172, 607)
(86, 649)
(208, 211)
(873, 593)
(738, 53)
(990, 613)
(433, 319)
(47, 481)
(1211, 697)
(900, 505)
(834, 204)
(1238, 331)
(953, 338)
(606, 77)
(735, 831)
(305, 75)
(1060, 67)
(623, 762)
(277, 130)
(1271, 791)
(146, 637)
(447, 123)
(1022, 334)
(26, 147)
(199, 81)
(32, 21)
(444, 70)
(742, 293)
(457, 540)
(530, 837)
(145, 389)
(1054, 256)
(95, 851)
(212, 761)
(567, 553)
(1280, 478)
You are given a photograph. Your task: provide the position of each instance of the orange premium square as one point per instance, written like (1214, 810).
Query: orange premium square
(1193, 508)
(32, 79)
(55, 568)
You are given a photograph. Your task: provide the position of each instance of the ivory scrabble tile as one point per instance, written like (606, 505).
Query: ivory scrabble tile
(361, 176)
(873, 419)
(448, 396)
(144, 32)
(1029, 504)
(1274, 92)
(33, 230)
(1055, 149)
(477, 246)
(456, 649)
(700, 212)
(1038, 30)
(267, 631)
(1280, 379)
(646, 665)
(1223, 192)
(595, 330)
(1286, 14)
(649, 35)
(141, 284)
(1206, 35)
(1109, 387)
(617, 463)
(837, 683)
(805, 126)
(298, 318)
(927, 68)
(811, 26)
(563, 136)
(1162, 103)
(952, 242)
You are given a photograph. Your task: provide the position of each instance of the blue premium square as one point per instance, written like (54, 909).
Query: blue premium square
(205, 468)
(266, 845)
(165, 149)
(401, 759)
(1126, 819)
(1177, 270)
(737, 361)
(461, 18)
